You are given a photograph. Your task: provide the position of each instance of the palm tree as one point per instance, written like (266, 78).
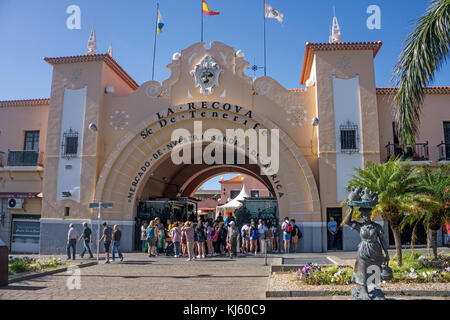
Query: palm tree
(435, 185)
(412, 220)
(425, 50)
(398, 192)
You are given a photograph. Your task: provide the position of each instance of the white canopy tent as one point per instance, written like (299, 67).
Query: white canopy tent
(235, 203)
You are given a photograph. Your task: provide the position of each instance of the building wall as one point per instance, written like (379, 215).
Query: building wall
(15, 120)
(435, 111)
(111, 158)
(250, 184)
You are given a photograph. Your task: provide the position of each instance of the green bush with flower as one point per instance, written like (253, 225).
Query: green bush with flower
(415, 268)
(314, 274)
(27, 264)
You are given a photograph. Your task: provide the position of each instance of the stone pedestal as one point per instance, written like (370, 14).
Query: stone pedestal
(3, 264)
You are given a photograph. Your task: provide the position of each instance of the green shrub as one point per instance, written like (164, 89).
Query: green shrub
(24, 264)
(18, 266)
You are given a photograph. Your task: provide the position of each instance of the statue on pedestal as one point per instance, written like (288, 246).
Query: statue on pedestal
(371, 265)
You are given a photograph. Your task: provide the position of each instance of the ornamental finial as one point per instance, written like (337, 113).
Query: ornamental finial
(92, 43)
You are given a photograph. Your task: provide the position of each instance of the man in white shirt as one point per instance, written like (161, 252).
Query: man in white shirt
(245, 238)
(72, 237)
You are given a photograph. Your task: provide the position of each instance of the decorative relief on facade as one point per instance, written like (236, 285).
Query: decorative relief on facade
(119, 120)
(153, 90)
(262, 86)
(206, 75)
(297, 115)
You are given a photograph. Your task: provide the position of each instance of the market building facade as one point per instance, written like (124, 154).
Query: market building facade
(102, 137)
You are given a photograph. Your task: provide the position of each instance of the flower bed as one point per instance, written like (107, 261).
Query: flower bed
(27, 264)
(415, 269)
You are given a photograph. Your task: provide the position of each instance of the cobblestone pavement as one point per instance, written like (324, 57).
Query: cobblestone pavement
(140, 277)
(160, 278)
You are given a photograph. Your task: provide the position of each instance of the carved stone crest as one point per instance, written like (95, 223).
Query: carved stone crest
(207, 75)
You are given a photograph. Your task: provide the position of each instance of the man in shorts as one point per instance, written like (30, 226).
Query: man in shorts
(245, 238)
(107, 237)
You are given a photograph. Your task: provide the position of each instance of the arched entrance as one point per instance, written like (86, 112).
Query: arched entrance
(145, 152)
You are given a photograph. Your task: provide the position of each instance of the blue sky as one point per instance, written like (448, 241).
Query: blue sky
(31, 30)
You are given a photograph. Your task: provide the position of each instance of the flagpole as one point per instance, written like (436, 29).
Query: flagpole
(201, 12)
(264, 15)
(154, 44)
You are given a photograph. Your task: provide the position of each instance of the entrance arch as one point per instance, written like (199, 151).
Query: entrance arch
(135, 158)
(191, 186)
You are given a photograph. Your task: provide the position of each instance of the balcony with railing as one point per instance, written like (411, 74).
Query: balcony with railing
(26, 158)
(416, 154)
(444, 151)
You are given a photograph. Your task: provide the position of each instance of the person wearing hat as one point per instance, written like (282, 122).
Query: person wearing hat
(72, 237)
(232, 236)
(86, 235)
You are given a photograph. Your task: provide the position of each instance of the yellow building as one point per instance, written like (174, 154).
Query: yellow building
(103, 137)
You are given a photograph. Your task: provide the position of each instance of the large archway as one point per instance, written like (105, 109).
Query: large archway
(139, 152)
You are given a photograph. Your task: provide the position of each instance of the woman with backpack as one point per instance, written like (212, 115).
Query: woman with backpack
(287, 229)
(200, 239)
(253, 233)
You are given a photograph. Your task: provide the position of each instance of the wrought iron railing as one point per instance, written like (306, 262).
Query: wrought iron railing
(418, 153)
(26, 158)
(444, 151)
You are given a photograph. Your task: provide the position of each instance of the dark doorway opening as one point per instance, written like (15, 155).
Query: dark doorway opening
(335, 242)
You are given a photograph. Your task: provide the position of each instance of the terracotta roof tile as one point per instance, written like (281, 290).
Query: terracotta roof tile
(97, 57)
(427, 90)
(313, 47)
(25, 103)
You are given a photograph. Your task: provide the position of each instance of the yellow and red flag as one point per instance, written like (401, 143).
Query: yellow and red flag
(207, 10)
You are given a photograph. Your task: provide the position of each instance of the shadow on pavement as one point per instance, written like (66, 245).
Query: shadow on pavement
(27, 288)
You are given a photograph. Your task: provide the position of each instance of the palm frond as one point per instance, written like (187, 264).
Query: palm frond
(425, 51)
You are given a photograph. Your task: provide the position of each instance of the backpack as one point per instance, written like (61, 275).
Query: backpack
(299, 233)
(215, 237)
(288, 228)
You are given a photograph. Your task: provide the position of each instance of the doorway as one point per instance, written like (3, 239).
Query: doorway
(334, 243)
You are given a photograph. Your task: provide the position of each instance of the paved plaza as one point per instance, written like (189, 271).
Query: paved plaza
(141, 278)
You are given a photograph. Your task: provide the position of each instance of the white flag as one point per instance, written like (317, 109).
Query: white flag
(270, 12)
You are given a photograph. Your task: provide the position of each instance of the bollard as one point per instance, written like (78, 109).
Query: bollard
(3, 264)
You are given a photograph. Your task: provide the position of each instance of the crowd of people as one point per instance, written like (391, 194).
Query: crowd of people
(208, 238)
(199, 240)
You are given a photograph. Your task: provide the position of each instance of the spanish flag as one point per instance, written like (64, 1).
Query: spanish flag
(207, 10)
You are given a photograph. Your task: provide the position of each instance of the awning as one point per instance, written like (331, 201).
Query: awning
(235, 203)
